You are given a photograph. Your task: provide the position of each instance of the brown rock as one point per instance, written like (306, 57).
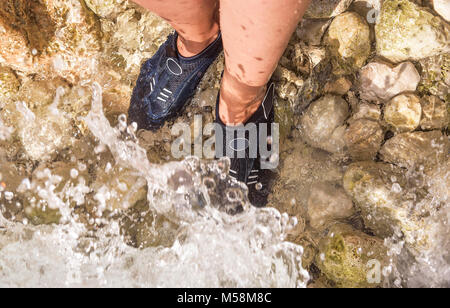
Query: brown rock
(30, 44)
(416, 149)
(434, 113)
(339, 87)
(403, 112)
(348, 41)
(363, 139)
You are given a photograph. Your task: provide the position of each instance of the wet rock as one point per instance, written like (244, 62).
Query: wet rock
(416, 150)
(5, 133)
(301, 168)
(44, 131)
(366, 111)
(369, 9)
(346, 254)
(130, 38)
(386, 201)
(363, 139)
(403, 112)
(327, 203)
(406, 31)
(9, 85)
(40, 93)
(348, 41)
(436, 76)
(10, 179)
(323, 123)
(106, 8)
(442, 7)
(284, 116)
(311, 31)
(42, 215)
(327, 8)
(117, 188)
(49, 37)
(282, 73)
(381, 82)
(338, 87)
(143, 228)
(435, 113)
(42, 195)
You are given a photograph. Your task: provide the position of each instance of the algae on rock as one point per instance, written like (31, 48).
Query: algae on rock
(346, 257)
(406, 31)
(348, 41)
(386, 200)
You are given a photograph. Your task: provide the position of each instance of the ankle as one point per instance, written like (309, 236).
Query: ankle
(190, 47)
(238, 101)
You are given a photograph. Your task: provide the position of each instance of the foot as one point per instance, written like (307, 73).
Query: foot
(167, 81)
(249, 164)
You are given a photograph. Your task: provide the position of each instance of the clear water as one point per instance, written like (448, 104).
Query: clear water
(208, 248)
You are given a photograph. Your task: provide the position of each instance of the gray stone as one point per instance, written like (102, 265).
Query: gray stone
(327, 203)
(323, 123)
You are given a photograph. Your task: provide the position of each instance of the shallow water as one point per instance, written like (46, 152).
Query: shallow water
(93, 204)
(208, 247)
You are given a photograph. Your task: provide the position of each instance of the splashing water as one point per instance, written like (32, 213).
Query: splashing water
(210, 248)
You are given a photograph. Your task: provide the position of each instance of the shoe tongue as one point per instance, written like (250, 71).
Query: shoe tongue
(263, 112)
(171, 52)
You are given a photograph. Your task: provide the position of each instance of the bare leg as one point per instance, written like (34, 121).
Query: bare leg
(255, 35)
(194, 20)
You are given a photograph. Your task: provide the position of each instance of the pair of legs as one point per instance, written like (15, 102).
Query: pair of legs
(255, 34)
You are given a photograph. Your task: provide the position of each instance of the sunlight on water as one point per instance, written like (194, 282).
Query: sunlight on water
(211, 248)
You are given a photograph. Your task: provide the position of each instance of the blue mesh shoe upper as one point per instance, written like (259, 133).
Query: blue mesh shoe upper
(167, 81)
(248, 164)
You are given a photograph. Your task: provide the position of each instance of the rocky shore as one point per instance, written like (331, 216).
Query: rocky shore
(363, 104)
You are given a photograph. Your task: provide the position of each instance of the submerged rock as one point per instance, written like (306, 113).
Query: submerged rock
(117, 188)
(323, 123)
(327, 203)
(311, 31)
(381, 82)
(346, 257)
(348, 41)
(436, 76)
(403, 112)
(44, 132)
(327, 8)
(363, 139)
(382, 194)
(406, 31)
(416, 150)
(106, 8)
(134, 35)
(9, 86)
(339, 86)
(10, 179)
(49, 37)
(366, 111)
(435, 113)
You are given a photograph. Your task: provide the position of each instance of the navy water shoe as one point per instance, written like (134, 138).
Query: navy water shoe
(252, 149)
(167, 81)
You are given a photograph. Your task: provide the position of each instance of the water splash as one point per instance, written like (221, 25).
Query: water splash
(211, 248)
